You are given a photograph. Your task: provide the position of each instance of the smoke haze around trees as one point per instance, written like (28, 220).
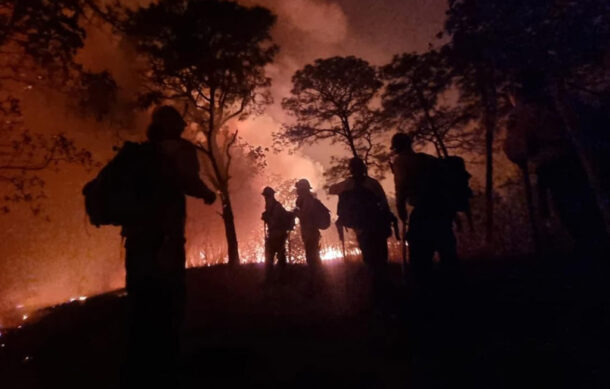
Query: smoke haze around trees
(72, 87)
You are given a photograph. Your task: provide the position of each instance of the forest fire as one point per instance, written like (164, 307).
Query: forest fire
(35, 312)
(257, 255)
(142, 137)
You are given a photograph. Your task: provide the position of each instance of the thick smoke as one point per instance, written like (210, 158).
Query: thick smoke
(51, 258)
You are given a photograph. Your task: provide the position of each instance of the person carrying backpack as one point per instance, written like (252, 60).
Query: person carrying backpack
(537, 137)
(363, 207)
(313, 217)
(278, 223)
(421, 181)
(143, 190)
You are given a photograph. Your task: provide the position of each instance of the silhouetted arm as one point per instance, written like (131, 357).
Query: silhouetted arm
(338, 188)
(187, 166)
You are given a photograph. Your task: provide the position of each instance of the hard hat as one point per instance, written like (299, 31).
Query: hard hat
(168, 116)
(401, 141)
(268, 191)
(167, 123)
(302, 183)
(357, 167)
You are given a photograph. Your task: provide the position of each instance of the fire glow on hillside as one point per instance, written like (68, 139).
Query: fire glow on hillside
(257, 255)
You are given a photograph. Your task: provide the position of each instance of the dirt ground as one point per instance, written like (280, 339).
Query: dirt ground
(519, 322)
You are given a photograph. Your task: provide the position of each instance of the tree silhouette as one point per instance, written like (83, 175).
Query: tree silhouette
(492, 42)
(333, 99)
(38, 42)
(208, 56)
(414, 99)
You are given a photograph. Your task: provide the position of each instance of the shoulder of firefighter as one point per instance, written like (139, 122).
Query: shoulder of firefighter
(277, 217)
(306, 209)
(181, 163)
(340, 187)
(416, 178)
(270, 212)
(374, 186)
(367, 182)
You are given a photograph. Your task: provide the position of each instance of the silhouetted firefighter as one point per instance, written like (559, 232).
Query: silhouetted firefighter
(437, 189)
(363, 207)
(313, 217)
(278, 223)
(143, 190)
(537, 136)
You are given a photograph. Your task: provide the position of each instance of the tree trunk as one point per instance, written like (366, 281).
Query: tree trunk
(489, 102)
(489, 197)
(353, 148)
(438, 150)
(441, 148)
(529, 200)
(229, 222)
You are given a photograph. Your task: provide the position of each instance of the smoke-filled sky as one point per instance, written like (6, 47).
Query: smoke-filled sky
(48, 261)
(311, 29)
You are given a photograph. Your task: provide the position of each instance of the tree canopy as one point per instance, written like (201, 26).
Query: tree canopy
(416, 100)
(333, 99)
(493, 43)
(208, 54)
(208, 57)
(38, 42)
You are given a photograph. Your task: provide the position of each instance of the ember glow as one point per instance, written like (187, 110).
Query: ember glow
(257, 255)
(334, 253)
(80, 298)
(64, 259)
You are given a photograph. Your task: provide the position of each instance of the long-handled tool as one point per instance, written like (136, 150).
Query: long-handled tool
(403, 246)
(266, 234)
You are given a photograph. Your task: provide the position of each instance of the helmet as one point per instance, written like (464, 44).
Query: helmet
(401, 141)
(268, 191)
(302, 183)
(357, 167)
(167, 123)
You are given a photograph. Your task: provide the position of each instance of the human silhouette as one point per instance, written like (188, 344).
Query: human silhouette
(313, 216)
(278, 222)
(537, 137)
(366, 210)
(155, 256)
(363, 207)
(418, 180)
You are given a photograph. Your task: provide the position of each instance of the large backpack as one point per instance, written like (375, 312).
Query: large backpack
(126, 189)
(360, 208)
(321, 215)
(455, 183)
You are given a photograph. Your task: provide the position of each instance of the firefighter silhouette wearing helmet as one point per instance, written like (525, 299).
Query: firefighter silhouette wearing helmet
(277, 222)
(313, 217)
